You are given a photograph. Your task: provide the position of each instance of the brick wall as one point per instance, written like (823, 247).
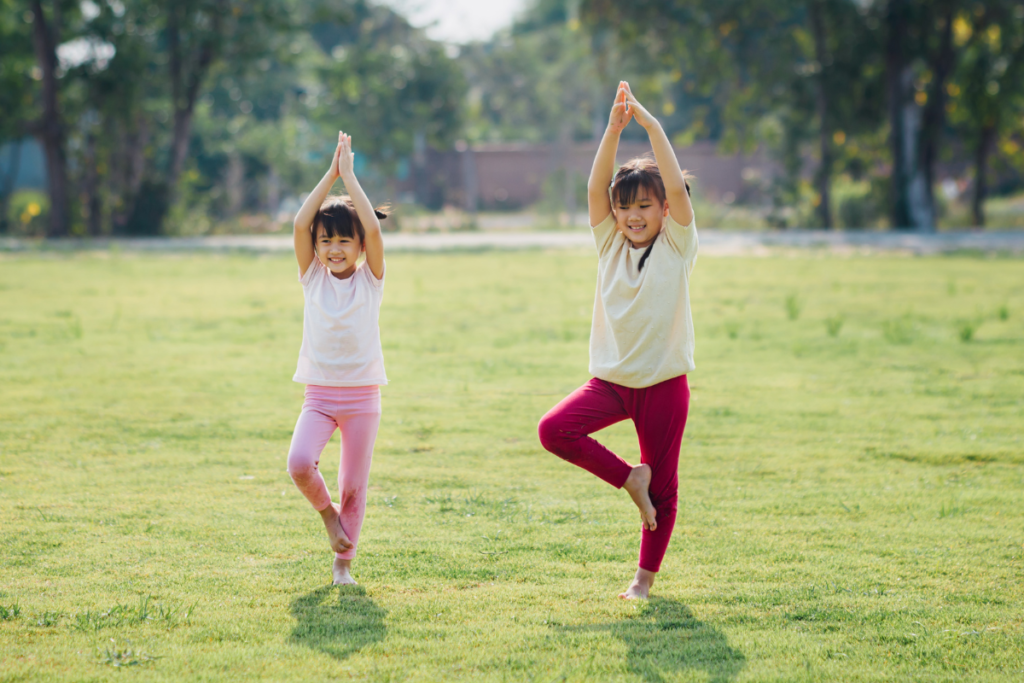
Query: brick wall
(511, 176)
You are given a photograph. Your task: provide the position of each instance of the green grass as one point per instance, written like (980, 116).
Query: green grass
(852, 478)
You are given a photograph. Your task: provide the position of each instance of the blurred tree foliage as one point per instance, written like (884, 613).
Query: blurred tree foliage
(17, 61)
(986, 93)
(170, 115)
(846, 72)
(176, 111)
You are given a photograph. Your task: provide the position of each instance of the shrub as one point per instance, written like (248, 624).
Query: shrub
(27, 213)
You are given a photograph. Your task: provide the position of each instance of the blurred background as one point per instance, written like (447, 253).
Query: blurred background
(195, 117)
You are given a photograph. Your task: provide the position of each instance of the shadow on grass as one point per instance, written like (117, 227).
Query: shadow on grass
(665, 639)
(338, 620)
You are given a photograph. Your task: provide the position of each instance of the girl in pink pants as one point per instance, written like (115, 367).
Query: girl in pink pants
(340, 361)
(641, 338)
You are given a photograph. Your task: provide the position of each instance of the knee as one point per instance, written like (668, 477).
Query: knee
(667, 504)
(550, 433)
(301, 468)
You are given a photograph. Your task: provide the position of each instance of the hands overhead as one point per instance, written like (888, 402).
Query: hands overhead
(621, 114)
(627, 107)
(343, 162)
(637, 110)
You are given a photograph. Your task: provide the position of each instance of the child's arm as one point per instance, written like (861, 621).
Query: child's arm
(675, 186)
(598, 203)
(303, 224)
(373, 242)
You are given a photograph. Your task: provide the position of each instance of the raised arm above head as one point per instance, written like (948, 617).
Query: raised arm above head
(302, 226)
(598, 202)
(373, 241)
(679, 206)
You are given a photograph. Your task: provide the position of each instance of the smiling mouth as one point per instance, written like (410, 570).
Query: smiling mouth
(335, 260)
(636, 228)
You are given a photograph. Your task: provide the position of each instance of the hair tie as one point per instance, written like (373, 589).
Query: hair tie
(380, 214)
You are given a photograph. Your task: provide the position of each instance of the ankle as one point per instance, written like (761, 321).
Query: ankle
(644, 578)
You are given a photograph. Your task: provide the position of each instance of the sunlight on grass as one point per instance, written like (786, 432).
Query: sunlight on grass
(851, 502)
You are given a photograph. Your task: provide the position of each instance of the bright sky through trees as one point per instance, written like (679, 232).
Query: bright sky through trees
(459, 21)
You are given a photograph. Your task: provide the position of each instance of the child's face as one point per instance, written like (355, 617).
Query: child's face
(338, 254)
(640, 221)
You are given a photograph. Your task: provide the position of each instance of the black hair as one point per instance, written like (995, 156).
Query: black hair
(640, 173)
(338, 217)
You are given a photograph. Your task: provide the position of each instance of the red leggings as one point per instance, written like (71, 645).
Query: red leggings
(659, 413)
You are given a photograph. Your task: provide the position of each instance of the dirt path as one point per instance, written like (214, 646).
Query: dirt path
(712, 242)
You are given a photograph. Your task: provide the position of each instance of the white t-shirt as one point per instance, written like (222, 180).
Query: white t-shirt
(642, 332)
(340, 330)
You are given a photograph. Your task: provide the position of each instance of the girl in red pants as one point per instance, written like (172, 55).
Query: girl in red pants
(641, 339)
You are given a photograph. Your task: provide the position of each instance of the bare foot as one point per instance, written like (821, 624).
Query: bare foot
(342, 575)
(637, 486)
(640, 589)
(335, 534)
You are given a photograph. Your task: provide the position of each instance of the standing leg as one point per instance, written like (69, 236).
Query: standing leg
(359, 426)
(565, 430)
(659, 413)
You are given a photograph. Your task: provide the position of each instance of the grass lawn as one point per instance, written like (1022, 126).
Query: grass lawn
(852, 478)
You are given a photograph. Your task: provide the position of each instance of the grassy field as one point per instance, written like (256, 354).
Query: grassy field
(852, 478)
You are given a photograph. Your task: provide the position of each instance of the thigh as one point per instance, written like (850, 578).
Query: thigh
(660, 418)
(591, 408)
(358, 434)
(312, 432)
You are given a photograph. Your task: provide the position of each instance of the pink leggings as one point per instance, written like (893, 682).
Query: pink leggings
(659, 413)
(356, 411)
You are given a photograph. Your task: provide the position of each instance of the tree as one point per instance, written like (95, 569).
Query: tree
(785, 65)
(387, 83)
(16, 93)
(988, 88)
(50, 129)
(920, 58)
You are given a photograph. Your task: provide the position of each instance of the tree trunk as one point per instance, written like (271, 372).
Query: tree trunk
(91, 186)
(51, 130)
(911, 205)
(896, 23)
(234, 183)
(824, 175)
(987, 137)
(131, 168)
(920, 203)
(7, 189)
(185, 86)
(934, 115)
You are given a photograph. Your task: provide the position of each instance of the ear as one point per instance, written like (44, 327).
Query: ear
(665, 213)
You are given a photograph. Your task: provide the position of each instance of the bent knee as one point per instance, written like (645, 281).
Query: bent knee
(550, 433)
(302, 468)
